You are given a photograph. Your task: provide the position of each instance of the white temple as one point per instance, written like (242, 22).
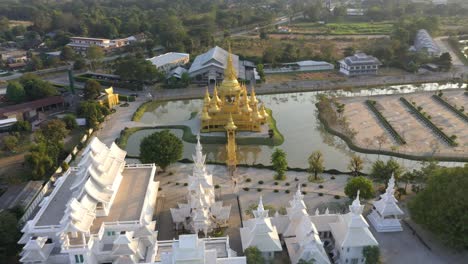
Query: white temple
(300, 234)
(98, 212)
(202, 212)
(191, 249)
(385, 215)
(260, 232)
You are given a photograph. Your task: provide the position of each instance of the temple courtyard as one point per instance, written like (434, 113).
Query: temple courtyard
(398, 247)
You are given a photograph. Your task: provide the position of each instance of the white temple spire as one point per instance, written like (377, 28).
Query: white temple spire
(260, 212)
(356, 207)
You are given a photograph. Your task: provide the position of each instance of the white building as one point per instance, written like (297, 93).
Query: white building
(300, 234)
(424, 43)
(202, 213)
(386, 213)
(359, 64)
(98, 212)
(191, 249)
(301, 66)
(169, 61)
(261, 233)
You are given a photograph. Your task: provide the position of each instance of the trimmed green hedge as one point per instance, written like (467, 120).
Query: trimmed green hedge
(127, 98)
(133, 87)
(386, 124)
(429, 123)
(451, 107)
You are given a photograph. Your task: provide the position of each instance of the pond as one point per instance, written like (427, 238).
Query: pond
(296, 117)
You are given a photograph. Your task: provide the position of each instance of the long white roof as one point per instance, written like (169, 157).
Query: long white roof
(167, 58)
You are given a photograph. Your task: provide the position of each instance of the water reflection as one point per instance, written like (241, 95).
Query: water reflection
(296, 118)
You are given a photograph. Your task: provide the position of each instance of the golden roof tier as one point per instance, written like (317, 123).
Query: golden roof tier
(230, 85)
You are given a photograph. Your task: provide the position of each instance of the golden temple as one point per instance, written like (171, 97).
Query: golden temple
(230, 100)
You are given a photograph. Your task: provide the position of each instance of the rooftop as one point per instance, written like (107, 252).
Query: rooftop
(360, 59)
(32, 105)
(128, 203)
(168, 58)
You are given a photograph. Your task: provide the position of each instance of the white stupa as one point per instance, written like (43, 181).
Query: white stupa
(202, 212)
(260, 232)
(300, 234)
(386, 213)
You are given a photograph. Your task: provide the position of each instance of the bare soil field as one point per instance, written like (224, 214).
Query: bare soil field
(421, 140)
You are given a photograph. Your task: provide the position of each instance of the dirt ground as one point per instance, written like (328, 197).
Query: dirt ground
(421, 140)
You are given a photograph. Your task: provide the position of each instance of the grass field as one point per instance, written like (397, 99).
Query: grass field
(362, 28)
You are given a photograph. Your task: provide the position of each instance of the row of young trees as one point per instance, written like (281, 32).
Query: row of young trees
(29, 87)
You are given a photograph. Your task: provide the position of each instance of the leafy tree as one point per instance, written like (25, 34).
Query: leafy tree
(10, 142)
(35, 63)
(93, 112)
(70, 121)
(254, 256)
(36, 88)
(371, 254)
(383, 171)
(92, 89)
(356, 164)
(79, 64)
(54, 131)
(21, 126)
(162, 148)
(445, 61)
(280, 163)
(316, 163)
(261, 72)
(15, 92)
(9, 235)
(39, 162)
(349, 51)
(137, 69)
(94, 54)
(359, 183)
(67, 53)
(441, 206)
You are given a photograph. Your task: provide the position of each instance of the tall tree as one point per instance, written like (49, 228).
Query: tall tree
(36, 88)
(280, 163)
(254, 255)
(362, 184)
(162, 148)
(15, 92)
(441, 206)
(356, 164)
(94, 54)
(92, 89)
(67, 53)
(316, 163)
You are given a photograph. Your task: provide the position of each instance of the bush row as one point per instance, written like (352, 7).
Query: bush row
(429, 123)
(451, 107)
(130, 86)
(384, 121)
(127, 98)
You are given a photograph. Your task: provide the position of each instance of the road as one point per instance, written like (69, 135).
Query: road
(322, 85)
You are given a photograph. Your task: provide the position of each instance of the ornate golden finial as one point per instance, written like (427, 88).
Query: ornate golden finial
(205, 115)
(230, 124)
(215, 95)
(253, 97)
(207, 98)
(230, 73)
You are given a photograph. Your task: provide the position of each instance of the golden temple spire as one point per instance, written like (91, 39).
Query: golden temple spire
(230, 124)
(207, 98)
(230, 73)
(215, 95)
(253, 97)
(263, 111)
(205, 115)
(245, 104)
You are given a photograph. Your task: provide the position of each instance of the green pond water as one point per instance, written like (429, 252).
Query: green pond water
(296, 117)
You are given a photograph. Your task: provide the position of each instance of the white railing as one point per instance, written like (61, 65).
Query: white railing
(135, 165)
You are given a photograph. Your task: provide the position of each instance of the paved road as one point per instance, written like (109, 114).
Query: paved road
(322, 85)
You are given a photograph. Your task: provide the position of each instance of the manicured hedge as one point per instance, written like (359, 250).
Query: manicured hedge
(386, 124)
(127, 98)
(429, 123)
(133, 87)
(451, 107)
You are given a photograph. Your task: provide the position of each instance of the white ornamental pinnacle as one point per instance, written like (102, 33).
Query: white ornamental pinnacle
(391, 186)
(356, 207)
(199, 158)
(260, 212)
(317, 212)
(327, 212)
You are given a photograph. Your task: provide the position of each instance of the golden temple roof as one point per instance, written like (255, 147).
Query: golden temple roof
(253, 97)
(205, 115)
(207, 98)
